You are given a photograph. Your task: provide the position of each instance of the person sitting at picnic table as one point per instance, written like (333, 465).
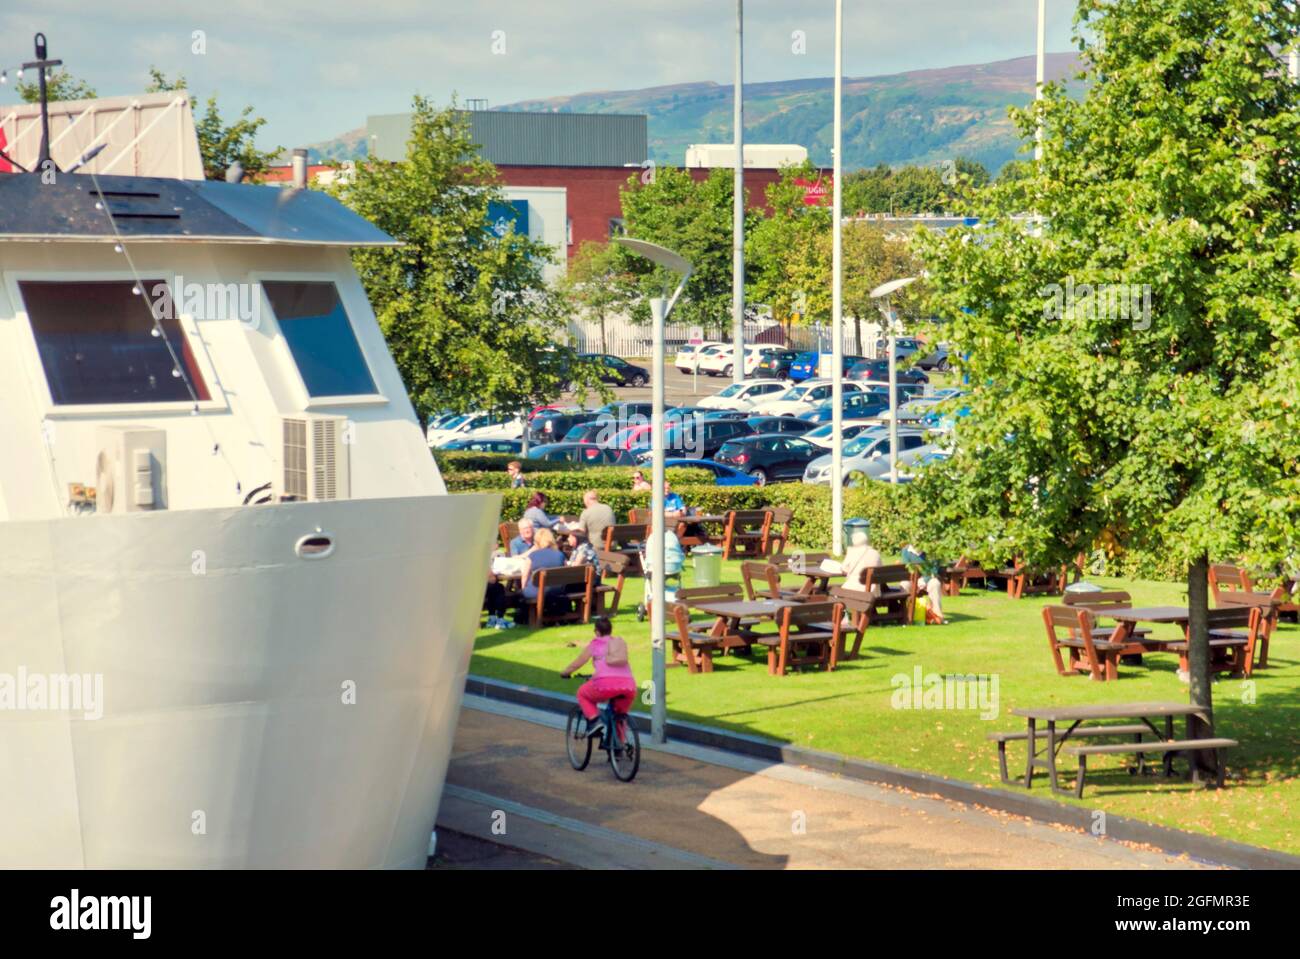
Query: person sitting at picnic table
(536, 512)
(596, 517)
(524, 541)
(612, 679)
(929, 582)
(674, 505)
(581, 552)
(639, 483)
(543, 555)
(515, 470)
(496, 600)
(857, 558)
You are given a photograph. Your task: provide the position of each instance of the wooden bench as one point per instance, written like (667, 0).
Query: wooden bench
(894, 603)
(1167, 748)
(606, 596)
(626, 538)
(746, 533)
(778, 536)
(1022, 580)
(1270, 607)
(1233, 632)
(857, 605)
(957, 576)
(507, 532)
(1097, 603)
(1227, 580)
(809, 635)
(1100, 657)
(696, 646)
(1136, 730)
(767, 576)
(577, 583)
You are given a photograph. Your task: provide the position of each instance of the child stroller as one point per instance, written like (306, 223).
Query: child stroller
(674, 572)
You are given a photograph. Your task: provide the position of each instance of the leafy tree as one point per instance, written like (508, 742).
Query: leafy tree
(777, 244)
(694, 219)
(598, 282)
(911, 190)
(221, 142)
(59, 85)
(468, 317)
(1095, 417)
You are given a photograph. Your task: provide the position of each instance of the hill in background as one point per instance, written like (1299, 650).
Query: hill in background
(921, 117)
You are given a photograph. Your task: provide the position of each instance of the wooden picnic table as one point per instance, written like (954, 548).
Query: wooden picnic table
(687, 520)
(817, 582)
(1128, 619)
(727, 626)
(1197, 724)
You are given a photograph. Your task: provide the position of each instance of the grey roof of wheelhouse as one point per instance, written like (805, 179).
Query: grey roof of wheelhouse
(155, 209)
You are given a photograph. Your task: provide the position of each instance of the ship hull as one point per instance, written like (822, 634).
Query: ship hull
(258, 708)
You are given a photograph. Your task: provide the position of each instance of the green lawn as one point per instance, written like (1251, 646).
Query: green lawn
(851, 710)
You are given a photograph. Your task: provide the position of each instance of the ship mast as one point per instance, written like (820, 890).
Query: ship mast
(41, 64)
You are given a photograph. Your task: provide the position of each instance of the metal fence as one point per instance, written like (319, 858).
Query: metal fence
(625, 338)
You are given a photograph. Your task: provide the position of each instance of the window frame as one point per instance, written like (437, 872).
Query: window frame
(31, 350)
(280, 343)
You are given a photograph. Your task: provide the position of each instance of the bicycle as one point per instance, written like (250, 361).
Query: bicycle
(624, 757)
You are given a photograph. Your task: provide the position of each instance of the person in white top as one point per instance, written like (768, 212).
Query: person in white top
(859, 556)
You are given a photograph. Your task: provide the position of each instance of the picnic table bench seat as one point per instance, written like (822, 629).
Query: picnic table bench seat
(626, 538)
(763, 580)
(1167, 748)
(746, 533)
(695, 646)
(809, 636)
(1021, 735)
(605, 595)
(564, 595)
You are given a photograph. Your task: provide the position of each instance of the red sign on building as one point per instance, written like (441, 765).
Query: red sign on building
(817, 192)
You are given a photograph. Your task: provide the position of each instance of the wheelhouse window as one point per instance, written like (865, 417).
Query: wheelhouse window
(100, 342)
(320, 337)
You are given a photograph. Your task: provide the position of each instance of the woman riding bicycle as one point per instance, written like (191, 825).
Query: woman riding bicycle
(611, 679)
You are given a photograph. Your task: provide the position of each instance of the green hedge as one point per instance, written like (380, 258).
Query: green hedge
(890, 510)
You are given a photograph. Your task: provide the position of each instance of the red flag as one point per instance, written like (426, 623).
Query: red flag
(5, 167)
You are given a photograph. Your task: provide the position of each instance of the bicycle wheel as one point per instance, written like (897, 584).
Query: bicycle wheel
(576, 742)
(625, 757)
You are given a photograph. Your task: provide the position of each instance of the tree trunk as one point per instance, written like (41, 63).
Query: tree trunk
(1198, 638)
(857, 335)
(604, 340)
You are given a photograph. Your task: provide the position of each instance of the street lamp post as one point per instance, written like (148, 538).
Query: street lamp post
(884, 292)
(738, 209)
(837, 299)
(1041, 76)
(659, 311)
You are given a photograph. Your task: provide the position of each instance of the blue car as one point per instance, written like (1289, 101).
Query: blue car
(804, 367)
(722, 475)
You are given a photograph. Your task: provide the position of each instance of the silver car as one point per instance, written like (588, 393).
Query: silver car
(864, 452)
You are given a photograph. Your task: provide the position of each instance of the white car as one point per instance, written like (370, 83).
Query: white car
(720, 359)
(479, 426)
(801, 398)
(689, 354)
(743, 396)
(864, 453)
(821, 436)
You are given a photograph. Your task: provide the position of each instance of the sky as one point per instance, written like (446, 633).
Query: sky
(317, 68)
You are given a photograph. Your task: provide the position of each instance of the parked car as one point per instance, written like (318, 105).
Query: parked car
(616, 370)
(854, 406)
(936, 359)
(909, 460)
(776, 365)
(626, 410)
(769, 456)
(743, 395)
(583, 454)
(599, 431)
(805, 366)
(689, 354)
(904, 346)
(701, 439)
(800, 398)
(821, 435)
(505, 426)
(550, 425)
(861, 452)
(906, 391)
(514, 447)
(722, 475)
(878, 371)
(778, 424)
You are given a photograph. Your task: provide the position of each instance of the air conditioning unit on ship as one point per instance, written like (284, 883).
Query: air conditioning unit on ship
(316, 463)
(130, 470)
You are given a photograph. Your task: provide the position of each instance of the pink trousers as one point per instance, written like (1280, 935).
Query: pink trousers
(621, 692)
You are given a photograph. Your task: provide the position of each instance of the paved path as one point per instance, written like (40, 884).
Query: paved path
(692, 807)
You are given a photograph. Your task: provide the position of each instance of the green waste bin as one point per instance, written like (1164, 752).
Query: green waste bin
(708, 564)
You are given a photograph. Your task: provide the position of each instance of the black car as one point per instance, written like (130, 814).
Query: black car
(599, 431)
(778, 424)
(935, 360)
(776, 365)
(583, 454)
(700, 438)
(550, 426)
(769, 456)
(878, 371)
(625, 411)
(616, 370)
